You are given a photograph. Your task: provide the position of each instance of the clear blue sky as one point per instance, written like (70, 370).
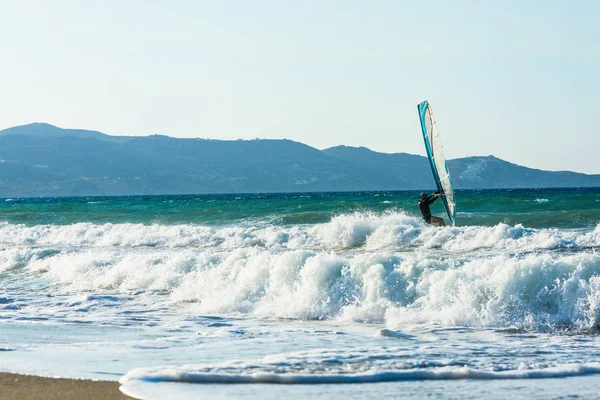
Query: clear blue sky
(517, 79)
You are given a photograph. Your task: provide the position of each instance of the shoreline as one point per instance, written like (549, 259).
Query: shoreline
(31, 387)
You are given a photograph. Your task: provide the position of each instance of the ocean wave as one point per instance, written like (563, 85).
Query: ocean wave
(363, 267)
(367, 231)
(535, 291)
(183, 375)
(329, 367)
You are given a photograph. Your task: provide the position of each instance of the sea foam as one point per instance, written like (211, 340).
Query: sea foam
(369, 231)
(364, 267)
(361, 366)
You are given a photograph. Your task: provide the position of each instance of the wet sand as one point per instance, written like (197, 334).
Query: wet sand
(28, 387)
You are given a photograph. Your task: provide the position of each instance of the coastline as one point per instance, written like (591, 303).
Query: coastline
(30, 387)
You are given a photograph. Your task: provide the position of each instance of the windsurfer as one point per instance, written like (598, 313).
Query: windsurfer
(424, 203)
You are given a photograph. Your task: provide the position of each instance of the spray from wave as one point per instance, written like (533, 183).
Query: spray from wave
(364, 267)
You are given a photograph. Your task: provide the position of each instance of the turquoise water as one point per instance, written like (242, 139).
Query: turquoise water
(541, 208)
(236, 295)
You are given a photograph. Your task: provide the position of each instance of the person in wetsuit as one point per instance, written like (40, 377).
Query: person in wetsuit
(424, 203)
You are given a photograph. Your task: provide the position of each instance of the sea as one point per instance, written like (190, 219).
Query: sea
(306, 295)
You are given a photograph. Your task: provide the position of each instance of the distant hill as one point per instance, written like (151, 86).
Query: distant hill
(44, 160)
(47, 130)
(467, 173)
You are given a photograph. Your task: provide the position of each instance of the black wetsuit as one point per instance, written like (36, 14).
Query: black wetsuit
(424, 207)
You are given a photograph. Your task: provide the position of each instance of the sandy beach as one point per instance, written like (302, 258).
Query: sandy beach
(28, 387)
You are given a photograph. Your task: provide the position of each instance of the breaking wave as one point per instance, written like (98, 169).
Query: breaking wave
(369, 231)
(362, 267)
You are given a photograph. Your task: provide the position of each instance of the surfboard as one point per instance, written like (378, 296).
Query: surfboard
(437, 160)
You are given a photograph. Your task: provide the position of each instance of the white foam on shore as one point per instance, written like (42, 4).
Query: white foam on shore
(248, 374)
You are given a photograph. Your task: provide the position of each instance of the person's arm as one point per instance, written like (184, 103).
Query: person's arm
(433, 198)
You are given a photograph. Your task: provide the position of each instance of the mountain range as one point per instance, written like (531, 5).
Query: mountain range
(44, 160)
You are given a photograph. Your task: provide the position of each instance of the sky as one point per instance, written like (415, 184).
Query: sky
(516, 79)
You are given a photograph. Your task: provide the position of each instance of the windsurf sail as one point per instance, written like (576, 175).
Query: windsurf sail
(435, 154)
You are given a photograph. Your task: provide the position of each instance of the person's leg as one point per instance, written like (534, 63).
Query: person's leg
(438, 220)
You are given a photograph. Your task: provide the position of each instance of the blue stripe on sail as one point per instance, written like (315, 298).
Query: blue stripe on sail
(422, 112)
